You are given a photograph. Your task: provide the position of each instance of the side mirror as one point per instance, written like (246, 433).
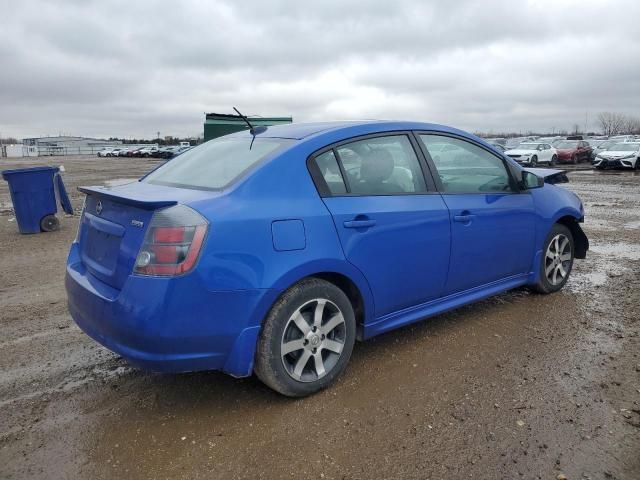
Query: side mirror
(531, 180)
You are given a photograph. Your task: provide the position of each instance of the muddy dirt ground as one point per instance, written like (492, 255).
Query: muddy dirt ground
(518, 386)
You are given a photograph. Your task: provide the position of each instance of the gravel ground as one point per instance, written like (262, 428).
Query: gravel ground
(517, 386)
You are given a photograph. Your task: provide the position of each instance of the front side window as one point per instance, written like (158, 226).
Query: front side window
(382, 166)
(464, 167)
(215, 164)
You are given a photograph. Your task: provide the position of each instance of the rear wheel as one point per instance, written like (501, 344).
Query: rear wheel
(557, 260)
(49, 223)
(307, 339)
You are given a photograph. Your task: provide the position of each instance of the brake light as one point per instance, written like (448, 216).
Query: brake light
(172, 243)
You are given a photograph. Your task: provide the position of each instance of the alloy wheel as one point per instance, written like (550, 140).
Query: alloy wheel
(313, 340)
(558, 259)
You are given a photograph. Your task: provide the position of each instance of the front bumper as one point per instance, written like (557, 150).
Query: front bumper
(168, 324)
(614, 162)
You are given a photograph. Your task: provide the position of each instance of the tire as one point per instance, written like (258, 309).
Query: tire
(557, 258)
(49, 223)
(534, 161)
(574, 159)
(297, 373)
(554, 161)
(636, 165)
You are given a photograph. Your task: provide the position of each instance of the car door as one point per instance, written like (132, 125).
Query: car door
(492, 222)
(392, 226)
(546, 153)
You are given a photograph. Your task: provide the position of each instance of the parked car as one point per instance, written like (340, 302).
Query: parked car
(624, 154)
(600, 146)
(134, 152)
(273, 252)
(573, 151)
(146, 151)
(533, 153)
(170, 152)
(123, 152)
(106, 152)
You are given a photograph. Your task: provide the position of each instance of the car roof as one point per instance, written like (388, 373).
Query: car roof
(300, 131)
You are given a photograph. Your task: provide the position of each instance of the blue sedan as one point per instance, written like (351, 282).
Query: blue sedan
(273, 250)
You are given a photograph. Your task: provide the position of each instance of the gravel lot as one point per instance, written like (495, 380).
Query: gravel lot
(518, 386)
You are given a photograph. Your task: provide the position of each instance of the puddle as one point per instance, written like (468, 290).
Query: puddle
(632, 225)
(629, 251)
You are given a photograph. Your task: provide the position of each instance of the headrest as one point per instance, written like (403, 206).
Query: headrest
(377, 166)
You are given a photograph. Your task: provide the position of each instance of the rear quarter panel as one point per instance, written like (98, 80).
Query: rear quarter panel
(240, 252)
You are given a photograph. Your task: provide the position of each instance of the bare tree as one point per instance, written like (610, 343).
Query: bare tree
(630, 125)
(612, 123)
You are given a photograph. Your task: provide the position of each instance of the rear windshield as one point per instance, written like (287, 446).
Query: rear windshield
(215, 164)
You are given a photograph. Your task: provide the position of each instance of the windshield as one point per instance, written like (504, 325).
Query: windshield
(567, 144)
(625, 147)
(214, 164)
(606, 144)
(529, 146)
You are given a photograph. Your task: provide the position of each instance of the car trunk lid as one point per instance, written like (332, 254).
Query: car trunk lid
(114, 223)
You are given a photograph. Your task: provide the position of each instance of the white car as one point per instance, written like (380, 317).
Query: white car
(106, 152)
(624, 154)
(533, 153)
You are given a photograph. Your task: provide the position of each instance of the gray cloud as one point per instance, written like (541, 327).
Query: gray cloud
(134, 68)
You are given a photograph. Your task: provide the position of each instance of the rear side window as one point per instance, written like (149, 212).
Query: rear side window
(330, 171)
(381, 166)
(215, 164)
(464, 167)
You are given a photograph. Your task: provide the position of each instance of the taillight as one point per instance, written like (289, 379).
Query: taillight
(172, 243)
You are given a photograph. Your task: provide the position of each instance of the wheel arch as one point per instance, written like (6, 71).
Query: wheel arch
(580, 240)
(344, 276)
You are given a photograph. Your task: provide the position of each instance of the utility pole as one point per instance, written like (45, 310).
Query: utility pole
(586, 121)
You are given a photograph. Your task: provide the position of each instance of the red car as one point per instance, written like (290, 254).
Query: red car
(573, 151)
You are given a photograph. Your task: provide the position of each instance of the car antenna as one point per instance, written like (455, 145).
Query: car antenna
(252, 130)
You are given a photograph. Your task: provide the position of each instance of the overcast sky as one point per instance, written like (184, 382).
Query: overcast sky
(125, 68)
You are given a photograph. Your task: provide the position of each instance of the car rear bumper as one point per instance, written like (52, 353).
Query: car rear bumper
(168, 324)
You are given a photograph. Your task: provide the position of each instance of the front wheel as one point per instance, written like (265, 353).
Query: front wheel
(554, 160)
(557, 260)
(307, 339)
(534, 161)
(574, 159)
(637, 164)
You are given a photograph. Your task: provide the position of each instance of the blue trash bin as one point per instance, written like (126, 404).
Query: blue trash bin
(33, 193)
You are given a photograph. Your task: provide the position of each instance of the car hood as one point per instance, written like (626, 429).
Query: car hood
(566, 151)
(519, 151)
(617, 153)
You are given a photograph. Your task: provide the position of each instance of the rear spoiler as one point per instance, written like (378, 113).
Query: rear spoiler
(138, 202)
(550, 175)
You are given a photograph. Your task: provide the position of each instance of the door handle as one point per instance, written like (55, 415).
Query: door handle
(465, 217)
(364, 223)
